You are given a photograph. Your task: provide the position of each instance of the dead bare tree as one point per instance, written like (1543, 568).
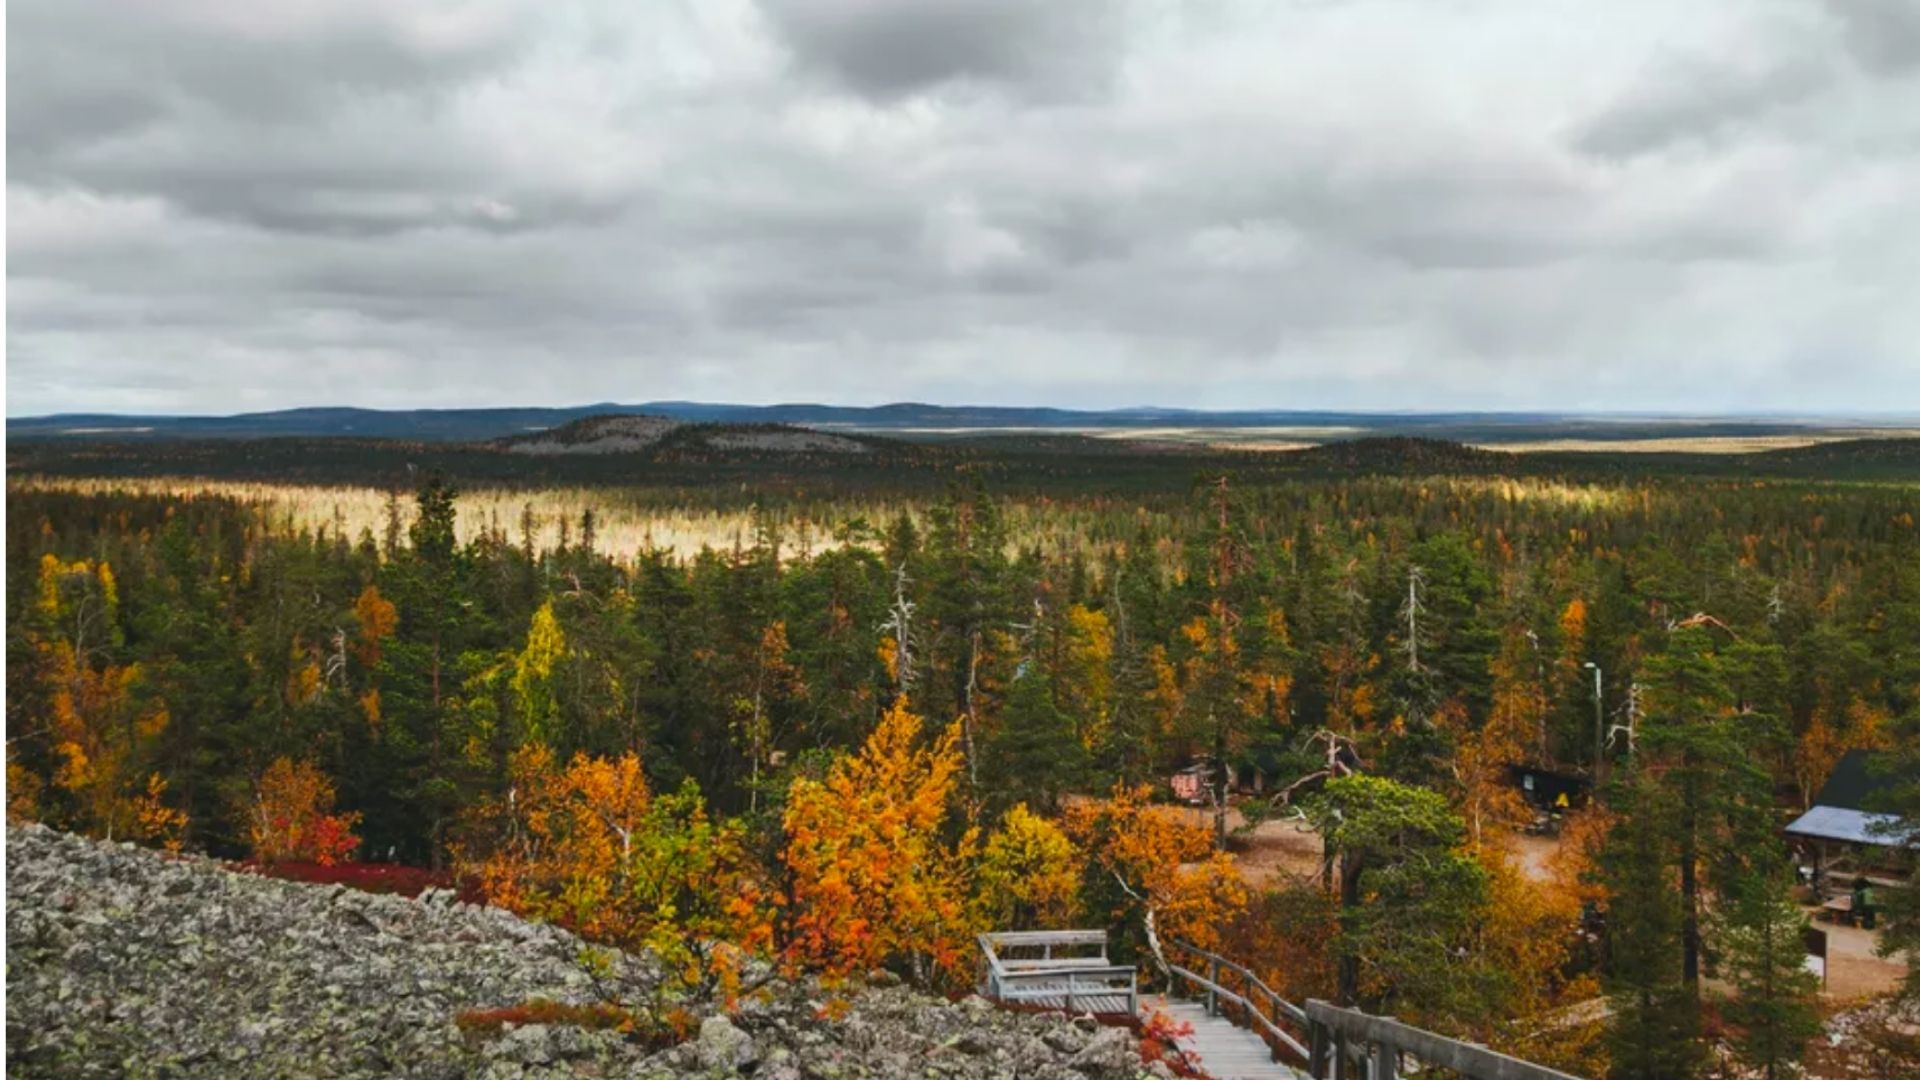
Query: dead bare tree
(1339, 750)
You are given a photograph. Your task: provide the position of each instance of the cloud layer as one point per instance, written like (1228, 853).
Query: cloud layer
(216, 205)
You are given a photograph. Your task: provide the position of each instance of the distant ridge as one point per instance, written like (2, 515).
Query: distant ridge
(916, 418)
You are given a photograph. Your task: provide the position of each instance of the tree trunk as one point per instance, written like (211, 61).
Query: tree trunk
(1690, 889)
(1350, 866)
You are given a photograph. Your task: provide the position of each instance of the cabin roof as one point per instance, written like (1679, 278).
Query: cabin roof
(1847, 826)
(1855, 780)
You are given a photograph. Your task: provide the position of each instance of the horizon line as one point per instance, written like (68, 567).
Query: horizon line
(1756, 413)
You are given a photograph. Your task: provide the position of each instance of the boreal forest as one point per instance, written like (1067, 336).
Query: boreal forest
(840, 716)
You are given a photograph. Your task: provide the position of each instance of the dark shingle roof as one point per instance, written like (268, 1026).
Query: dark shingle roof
(1856, 778)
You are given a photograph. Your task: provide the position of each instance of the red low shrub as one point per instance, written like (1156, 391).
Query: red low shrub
(385, 878)
(598, 1016)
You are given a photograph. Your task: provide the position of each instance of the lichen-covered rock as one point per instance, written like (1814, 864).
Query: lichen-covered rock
(725, 1047)
(1109, 1053)
(126, 962)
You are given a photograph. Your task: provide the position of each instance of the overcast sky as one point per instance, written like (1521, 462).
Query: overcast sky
(223, 205)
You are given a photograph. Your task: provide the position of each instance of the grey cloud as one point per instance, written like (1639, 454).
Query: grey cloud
(222, 205)
(341, 127)
(1059, 49)
(1690, 99)
(1884, 34)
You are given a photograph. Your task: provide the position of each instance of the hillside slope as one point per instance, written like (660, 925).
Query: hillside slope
(123, 962)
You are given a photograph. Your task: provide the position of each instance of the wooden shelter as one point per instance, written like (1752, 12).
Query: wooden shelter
(1841, 833)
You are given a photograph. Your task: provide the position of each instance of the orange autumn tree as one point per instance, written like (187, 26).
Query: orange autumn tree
(23, 792)
(590, 847)
(1488, 802)
(1529, 932)
(377, 618)
(1150, 866)
(874, 880)
(1530, 923)
(291, 817)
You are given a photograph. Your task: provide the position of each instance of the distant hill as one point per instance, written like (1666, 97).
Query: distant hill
(628, 434)
(424, 425)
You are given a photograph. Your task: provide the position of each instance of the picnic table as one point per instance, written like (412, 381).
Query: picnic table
(1838, 908)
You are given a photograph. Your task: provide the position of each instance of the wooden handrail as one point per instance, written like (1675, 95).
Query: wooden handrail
(1338, 1035)
(1292, 1011)
(1334, 1026)
(1253, 1011)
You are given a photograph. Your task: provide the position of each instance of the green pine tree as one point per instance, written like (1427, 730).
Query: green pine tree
(1762, 955)
(1655, 1028)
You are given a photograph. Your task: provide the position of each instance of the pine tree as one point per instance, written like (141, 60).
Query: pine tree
(1655, 1028)
(1410, 899)
(1763, 956)
(1701, 750)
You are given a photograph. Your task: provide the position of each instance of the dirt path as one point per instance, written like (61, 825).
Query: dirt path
(1286, 851)
(1853, 971)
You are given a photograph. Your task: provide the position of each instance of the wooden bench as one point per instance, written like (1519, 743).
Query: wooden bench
(1056, 979)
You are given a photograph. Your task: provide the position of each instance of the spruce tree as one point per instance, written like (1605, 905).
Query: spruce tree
(1032, 756)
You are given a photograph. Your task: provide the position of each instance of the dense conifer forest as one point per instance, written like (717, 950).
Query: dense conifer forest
(888, 704)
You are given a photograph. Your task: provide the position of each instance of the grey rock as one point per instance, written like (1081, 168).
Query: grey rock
(723, 1046)
(1109, 1053)
(532, 1044)
(124, 963)
(1066, 1039)
(976, 1042)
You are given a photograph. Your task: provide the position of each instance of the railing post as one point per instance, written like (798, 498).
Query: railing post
(1213, 983)
(1386, 1061)
(1070, 982)
(1317, 1049)
(1339, 1055)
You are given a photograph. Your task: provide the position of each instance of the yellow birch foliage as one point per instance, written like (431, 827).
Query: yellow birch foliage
(1029, 875)
(1086, 676)
(1488, 801)
(533, 671)
(872, 879)
(98, 733)
(101, 732)
(1573, 629)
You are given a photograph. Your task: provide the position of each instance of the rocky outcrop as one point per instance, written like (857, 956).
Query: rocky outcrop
(125, 962)
(595, 435)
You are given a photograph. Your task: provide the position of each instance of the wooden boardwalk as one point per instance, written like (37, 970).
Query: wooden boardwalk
(1064, 976)
(1217, 1047)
